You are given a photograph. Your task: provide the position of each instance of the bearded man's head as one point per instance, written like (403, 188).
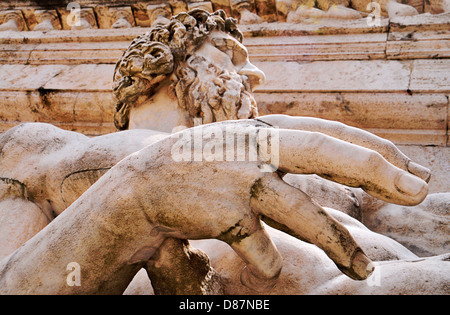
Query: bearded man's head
(201, 56)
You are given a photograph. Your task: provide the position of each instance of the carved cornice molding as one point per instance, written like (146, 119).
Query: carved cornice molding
(423, 36)
(81, 14)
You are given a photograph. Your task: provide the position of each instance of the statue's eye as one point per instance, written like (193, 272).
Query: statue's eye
(237, 53)
(224, 45)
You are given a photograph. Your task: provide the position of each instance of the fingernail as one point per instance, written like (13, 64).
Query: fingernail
(362, 265)
(360, 268)
(410, 184)
(419, 171)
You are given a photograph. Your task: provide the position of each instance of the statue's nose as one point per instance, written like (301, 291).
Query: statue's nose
(254, 74)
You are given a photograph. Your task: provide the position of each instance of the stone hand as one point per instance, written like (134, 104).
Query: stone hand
(197, 184)
(221, 197)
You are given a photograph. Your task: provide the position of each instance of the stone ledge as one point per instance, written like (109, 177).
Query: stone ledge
(86, 112)
(346, 40)
(71, 36)
(422, 22)
(373, 76)
(143, 13)
(430, 76)
(75, 95)
(317, 47)
(336, 76)
(384, 79)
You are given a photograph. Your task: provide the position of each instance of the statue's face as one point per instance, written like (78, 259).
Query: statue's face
(226, 52)
(216, 82)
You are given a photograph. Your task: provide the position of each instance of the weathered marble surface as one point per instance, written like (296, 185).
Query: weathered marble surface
(127, 14)
(393, 70)
(53, 84)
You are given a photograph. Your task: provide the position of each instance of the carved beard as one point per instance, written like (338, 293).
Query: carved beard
(213, 94)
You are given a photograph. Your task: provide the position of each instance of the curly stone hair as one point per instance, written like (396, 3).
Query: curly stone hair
(153, 57)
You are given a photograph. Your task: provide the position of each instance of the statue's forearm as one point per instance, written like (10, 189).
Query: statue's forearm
(20, 220)
(103, 234)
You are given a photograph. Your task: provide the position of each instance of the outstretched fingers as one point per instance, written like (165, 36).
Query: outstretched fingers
(353, 135)
(292, 211)
(303, 152)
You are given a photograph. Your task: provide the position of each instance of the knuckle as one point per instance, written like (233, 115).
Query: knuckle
(374, 162)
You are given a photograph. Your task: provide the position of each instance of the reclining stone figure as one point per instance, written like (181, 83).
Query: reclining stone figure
(147, 205)
(118, 224)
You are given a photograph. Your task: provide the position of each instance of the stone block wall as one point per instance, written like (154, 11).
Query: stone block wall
(392, 79)
(36, 15)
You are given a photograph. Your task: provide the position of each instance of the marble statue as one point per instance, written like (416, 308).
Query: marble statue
(115, 204)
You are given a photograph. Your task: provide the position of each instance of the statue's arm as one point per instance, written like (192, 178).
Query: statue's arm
(20, 220)
(95, 246)
(120, 222)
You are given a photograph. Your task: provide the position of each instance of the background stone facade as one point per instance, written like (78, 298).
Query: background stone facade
(392, 79)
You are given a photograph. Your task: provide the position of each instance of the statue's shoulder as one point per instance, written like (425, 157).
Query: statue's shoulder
(37, 137)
